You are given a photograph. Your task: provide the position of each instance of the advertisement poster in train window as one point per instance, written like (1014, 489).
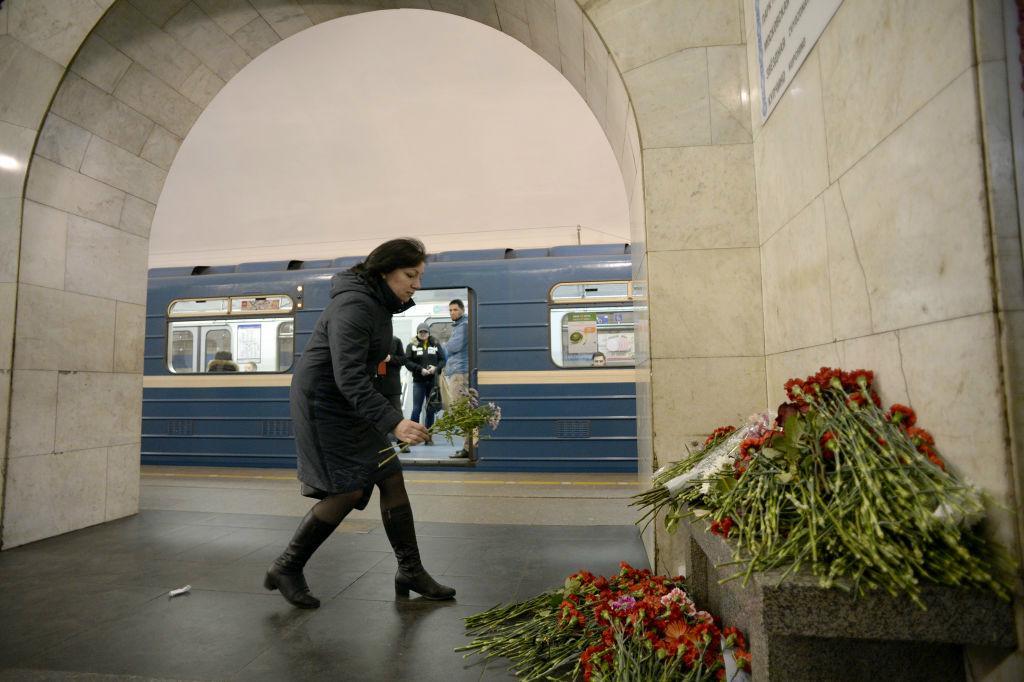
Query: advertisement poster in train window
(249, 340)
(618, 347)
(582, 333)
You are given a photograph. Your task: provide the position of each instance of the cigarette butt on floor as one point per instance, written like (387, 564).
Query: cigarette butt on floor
(180, 590)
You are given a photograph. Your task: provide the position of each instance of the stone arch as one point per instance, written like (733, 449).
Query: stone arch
(126, 86)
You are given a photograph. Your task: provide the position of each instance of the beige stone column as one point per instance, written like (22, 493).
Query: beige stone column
(37, 41)
(684, 64)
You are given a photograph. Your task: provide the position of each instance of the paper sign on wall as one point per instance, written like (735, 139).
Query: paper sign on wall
(786, 32)
(582, 330)
(249, 341)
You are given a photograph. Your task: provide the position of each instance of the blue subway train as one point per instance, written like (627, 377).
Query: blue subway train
(551, 343)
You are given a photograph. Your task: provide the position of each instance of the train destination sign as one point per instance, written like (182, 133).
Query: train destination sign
(786, 32)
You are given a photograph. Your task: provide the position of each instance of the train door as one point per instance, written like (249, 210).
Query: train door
(423, 394)
(216, 340)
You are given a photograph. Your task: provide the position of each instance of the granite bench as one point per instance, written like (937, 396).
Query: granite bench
(799, 631)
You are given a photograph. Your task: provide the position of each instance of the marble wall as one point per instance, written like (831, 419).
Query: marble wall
(105, 91)
(889, 230)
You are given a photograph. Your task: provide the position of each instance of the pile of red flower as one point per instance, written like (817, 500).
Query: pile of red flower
(632, 626)
(836, 485)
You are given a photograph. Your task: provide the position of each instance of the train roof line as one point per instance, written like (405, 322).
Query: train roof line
(618, 249)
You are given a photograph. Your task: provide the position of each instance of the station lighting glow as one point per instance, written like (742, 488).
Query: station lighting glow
(9, 163)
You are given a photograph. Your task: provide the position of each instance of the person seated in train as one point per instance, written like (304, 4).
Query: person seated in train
(455, 379)
(342, 422)
(222, 362)
(250, 367)
(424, 358)
(598, 360)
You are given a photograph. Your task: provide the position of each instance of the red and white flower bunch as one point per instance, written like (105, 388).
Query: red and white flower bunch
(632, 626)
(836, 485)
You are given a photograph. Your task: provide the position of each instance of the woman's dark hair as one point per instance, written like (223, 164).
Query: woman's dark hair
(392, 255)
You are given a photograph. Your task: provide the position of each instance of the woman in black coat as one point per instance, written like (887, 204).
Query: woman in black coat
(342, 422)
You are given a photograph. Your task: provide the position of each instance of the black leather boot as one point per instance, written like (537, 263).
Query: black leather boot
(411, 575)
(285, 573)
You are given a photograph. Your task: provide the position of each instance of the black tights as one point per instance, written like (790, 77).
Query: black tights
(335, 508)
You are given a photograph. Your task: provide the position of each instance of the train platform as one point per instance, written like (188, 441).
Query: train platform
(94, 604)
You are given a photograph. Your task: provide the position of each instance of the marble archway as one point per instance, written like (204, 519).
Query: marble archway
(104, 92)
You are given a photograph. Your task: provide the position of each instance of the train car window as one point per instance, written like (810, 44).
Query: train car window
(593, 337)
(285, 345)
(250, 305)
(573, 292)
(440, 329)
(198, 306)
(243, 344)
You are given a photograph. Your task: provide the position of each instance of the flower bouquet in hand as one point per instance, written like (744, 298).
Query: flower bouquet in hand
(631, 626)
(464, 417)
(856, 494)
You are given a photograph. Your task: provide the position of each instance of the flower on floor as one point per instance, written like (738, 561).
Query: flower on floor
(631, 626)
(837, 485)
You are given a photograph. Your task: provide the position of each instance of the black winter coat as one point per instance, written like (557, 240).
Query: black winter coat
(419, 356)
(341, 421)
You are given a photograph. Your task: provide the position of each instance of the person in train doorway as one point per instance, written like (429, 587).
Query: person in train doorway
(424, 359)
(455, 380)
(389, 374)
(389, 379)
(342, 422)
(222, 362)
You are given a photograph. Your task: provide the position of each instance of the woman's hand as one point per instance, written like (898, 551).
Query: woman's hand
(411, 432)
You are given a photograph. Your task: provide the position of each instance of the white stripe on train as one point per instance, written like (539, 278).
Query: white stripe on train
(554, 376)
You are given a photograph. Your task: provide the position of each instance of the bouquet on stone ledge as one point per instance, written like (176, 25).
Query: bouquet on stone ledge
(629, 627)
(463, 418)
(837, 485)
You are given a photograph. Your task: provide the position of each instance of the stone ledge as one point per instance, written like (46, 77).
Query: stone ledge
(800, 631)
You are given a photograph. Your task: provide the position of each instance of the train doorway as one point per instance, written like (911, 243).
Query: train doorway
(436, 351)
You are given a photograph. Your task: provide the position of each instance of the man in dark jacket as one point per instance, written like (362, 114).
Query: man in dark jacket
(424, 358)
(389, 374)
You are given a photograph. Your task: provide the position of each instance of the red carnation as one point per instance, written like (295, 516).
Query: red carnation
(722, 527)
(902, 415)
(720, 432)
(748, 445)
(920, 436)
(829, 445)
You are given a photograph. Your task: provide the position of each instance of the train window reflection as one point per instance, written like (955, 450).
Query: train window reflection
(231, 345)
(593, 337)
